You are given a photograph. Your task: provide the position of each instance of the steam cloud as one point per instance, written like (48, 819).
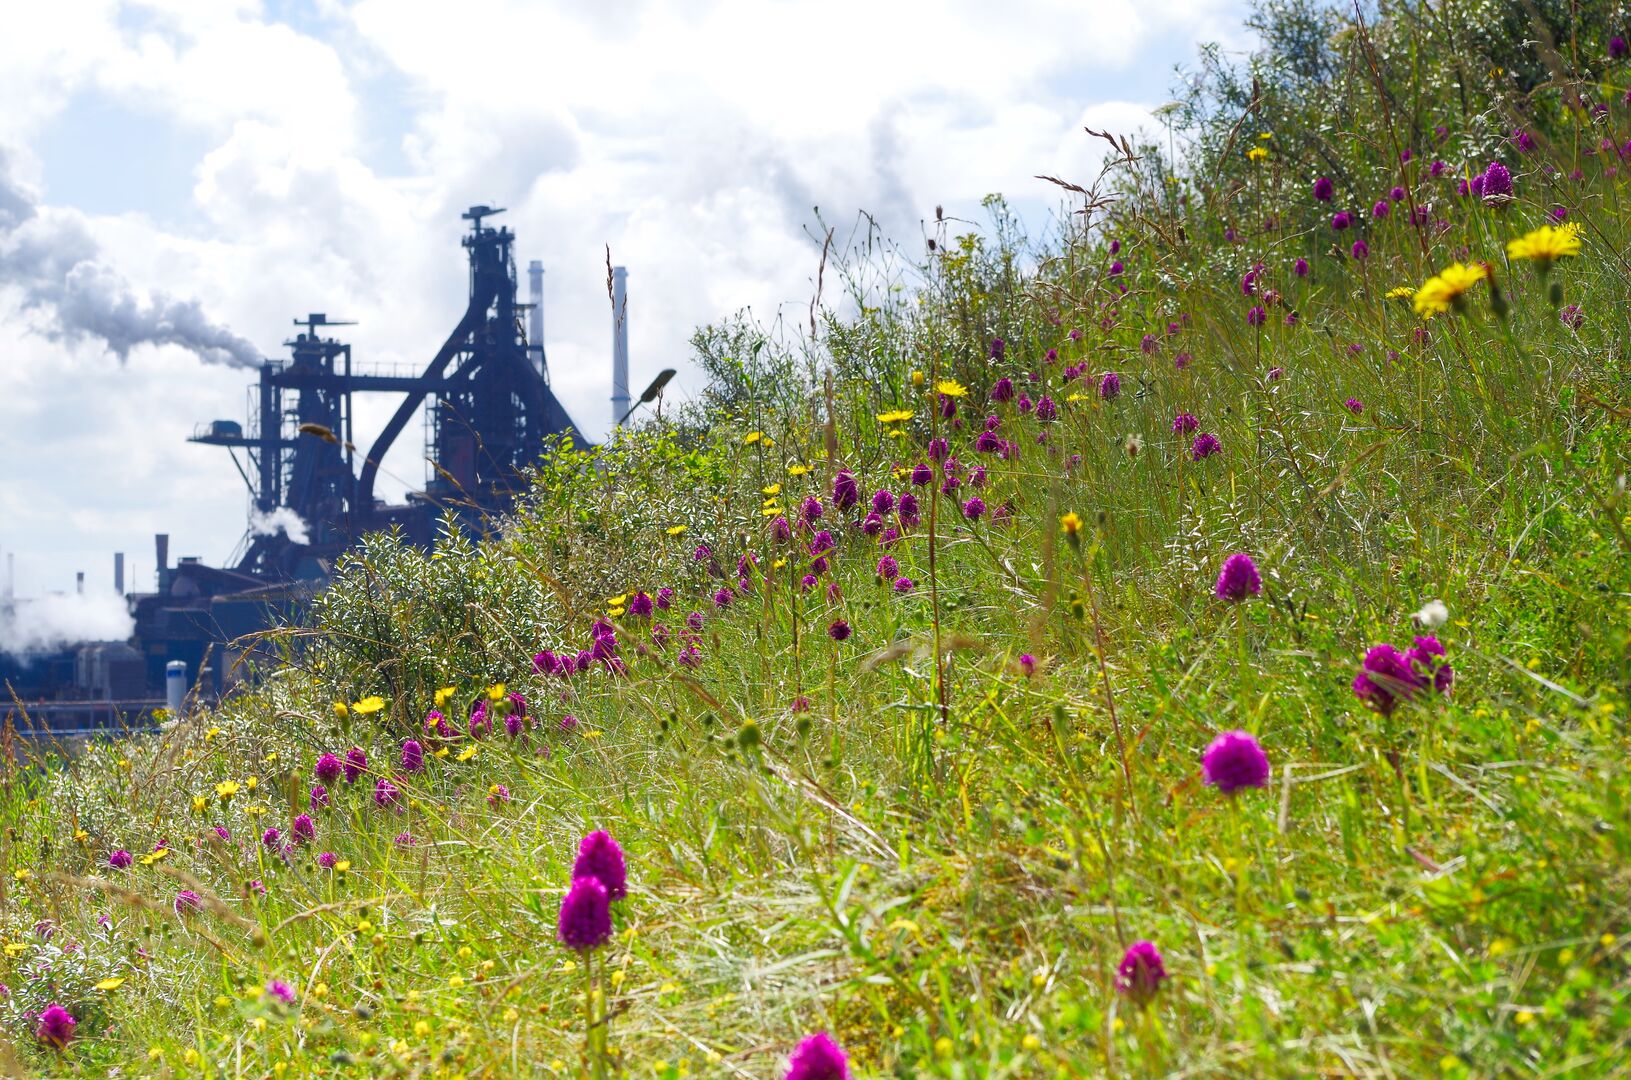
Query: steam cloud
(53, 262)
(51, 622)
(281, 520)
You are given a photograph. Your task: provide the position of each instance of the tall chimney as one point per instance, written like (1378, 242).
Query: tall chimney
(119, 572)
(620, 344)
(161, 550)
(79, 583)
(535, 317)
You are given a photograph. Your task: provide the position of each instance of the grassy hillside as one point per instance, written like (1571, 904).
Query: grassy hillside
(894, 666)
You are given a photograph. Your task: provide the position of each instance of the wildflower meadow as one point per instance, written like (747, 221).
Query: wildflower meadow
(1192, 640)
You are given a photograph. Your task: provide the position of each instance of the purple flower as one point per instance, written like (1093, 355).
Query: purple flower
(839, 630)
(811, 510)
(1275, 374)
(1141, 972)
(544, 663)
(328, 768)
(888, 567)
(1300, 268)
(665, 597)
(270, 838)
(1426, 659)
(883, 501)
(497, 796)
(319, 797)
(702, 553)
(1235, 760)
(818, 1057)
(481, 722)
(1027, 664)
(999, 347)
(1204, 446)
(413, 756)
(600, 858)
(1525, 141)
(1397, 193)
(1617, 48)
(386, 795)
(327, 860)
(1046, 410)
(974, 508)
(1324, 190)
(1572, 317)
(1354, 405)
(56, 1027)
(723, 598)
(989, 442)
(1496, 189)
(1182, 360)
(904, 585)
(1559, 214)
(1438, 169)
(921, 475)
(1184, 423)
(1248, 283)
(939, 450)
(586, 915)
(1381, 209)
(640, 605)
(1385, 678)
(1341, 220)
(1116, 269)
(1003, 390)
(694, 621)
(1256, 316)
(405, 840)
(1150, 345)
(356, 762)
(1361, 250)
(908, 506)
(187, 902)
(121, 859)
(1238, 579)
(1109, 386)
(845, 491)
(303, 829)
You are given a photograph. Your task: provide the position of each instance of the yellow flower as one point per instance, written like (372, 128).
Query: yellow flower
(23, 875)
(1071, 523)
(1546, 244)
(752, 437)
(614, 611)
(769, 511)
(250, 782)
(154, 856)
(772, 491)
(951, 388)
(614, 601)
(675, 530)
(1256, 153)
(1401, 292)
(1265, 136)
(342, 866)
(1442, 291)
(226, 789)
(81, 835)
(467, 753)
(797, 470)
(340, 710)
(199, 803)
(110, 984)
(897, 416)
(369, 705)
(209, 736)
(917, 378)
(443, 696)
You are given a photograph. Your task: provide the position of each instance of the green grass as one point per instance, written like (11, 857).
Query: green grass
(942, 859)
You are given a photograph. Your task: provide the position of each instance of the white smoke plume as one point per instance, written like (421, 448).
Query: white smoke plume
(54, 264)
(282, 520)
(50, 622)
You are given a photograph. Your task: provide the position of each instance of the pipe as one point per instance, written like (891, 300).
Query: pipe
(535, 317)
(119, 572)
(79, 583)
(620, 344)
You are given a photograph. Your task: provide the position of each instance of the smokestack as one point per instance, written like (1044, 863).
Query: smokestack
(119, 572)
(535, 317)
(620, 344)
(161, 549)
(79, 583)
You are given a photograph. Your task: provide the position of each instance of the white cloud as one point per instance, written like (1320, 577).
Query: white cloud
(693, 137)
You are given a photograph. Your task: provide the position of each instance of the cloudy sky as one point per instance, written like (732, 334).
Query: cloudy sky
(180, 178)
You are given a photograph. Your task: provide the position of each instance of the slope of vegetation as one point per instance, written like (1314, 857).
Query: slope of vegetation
(893, 667)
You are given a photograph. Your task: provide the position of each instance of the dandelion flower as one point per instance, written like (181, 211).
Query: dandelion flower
(1444, 290)
(1233, 761)
(1546, 244)
(951, 388)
